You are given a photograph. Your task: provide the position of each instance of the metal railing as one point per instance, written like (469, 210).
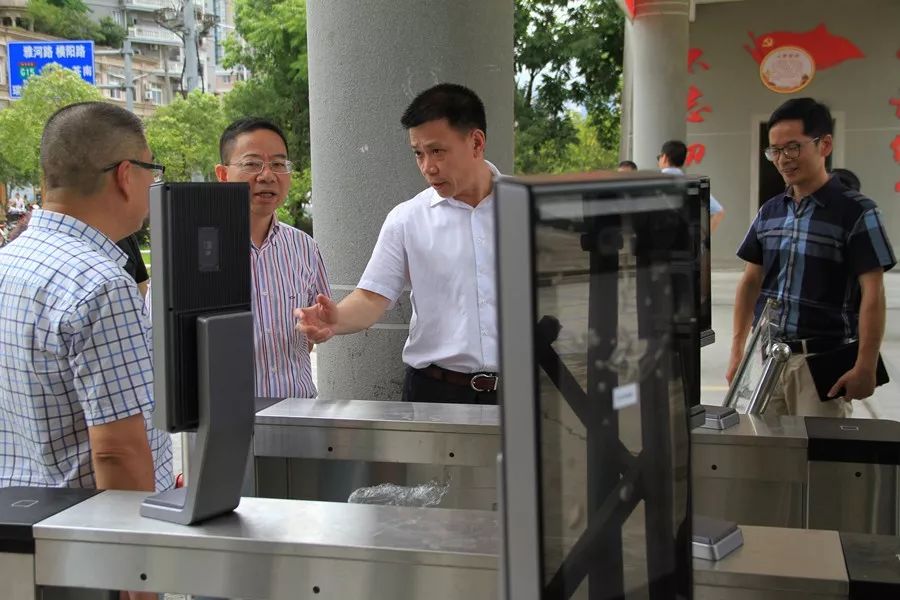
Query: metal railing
(155, 35)
(763, 349)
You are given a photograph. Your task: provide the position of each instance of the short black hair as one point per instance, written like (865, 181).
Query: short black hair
(462, 108)
(816, 117)
(675, 151)
(848, 178)
(112, 133)
(241, 126)
(630, 164)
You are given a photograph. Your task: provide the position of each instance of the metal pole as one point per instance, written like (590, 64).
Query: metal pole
(731, 397)
(129, 77)
(190, 46)
(779, 353)
(762, 329)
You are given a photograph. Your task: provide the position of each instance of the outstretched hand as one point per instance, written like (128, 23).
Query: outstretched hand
(317, 322)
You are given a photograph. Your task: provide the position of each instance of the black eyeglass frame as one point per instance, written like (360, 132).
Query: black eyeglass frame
(772, 152)
(141, 164)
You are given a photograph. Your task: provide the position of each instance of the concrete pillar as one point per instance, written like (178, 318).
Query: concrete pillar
(367, 61)
(626, 120)
(660, 43)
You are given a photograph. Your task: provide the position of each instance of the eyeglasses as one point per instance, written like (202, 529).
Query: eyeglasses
(278, 166)
(158, 170)
(791, 150)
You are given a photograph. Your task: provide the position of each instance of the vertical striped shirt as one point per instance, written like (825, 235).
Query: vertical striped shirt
(812, 253)
(74, 354)
(288, 273)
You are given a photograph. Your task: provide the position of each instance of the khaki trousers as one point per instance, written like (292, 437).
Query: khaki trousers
(795, 394)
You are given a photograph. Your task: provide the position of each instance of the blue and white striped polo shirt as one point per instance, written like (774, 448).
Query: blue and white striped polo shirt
(74, 353)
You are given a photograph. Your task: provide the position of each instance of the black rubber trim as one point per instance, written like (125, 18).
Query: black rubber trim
(869, 441)
(872, 565)
(22, 507)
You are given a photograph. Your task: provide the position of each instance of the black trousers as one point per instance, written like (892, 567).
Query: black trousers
(418, 387)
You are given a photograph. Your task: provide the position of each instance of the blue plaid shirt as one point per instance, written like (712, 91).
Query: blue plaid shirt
(812, 254)
(74, 353)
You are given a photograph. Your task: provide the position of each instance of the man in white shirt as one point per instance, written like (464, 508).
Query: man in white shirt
(441, 244)
(671, 158)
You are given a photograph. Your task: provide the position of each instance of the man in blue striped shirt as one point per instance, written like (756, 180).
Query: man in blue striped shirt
(285, 263)
(821, 251)
(75, 367)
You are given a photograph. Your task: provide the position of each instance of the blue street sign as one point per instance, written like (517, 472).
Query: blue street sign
(28, 58)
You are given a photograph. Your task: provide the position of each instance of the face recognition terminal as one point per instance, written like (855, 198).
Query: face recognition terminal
(596, 298)
(202, 340)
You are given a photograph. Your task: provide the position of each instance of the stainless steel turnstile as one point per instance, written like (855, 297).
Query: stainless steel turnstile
(281, 549)
(764, 471)
(273, 550)
(816, 473)
(312, 449)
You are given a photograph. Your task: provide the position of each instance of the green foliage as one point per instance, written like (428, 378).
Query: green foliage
(184, 135)
(584, 152)
(272, 45)
(71, 19)
(294, 211)
(274, 49)
(23, 122)
(110, 33)
(567, 53)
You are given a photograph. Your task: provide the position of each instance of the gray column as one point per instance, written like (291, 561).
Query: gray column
(367, 61)
(660, 43)
(626, 121)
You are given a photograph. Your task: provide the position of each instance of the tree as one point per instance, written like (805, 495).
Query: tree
(22, 124)
(271, 43)
(567, 53)
(184, 135)
(584, 152)
(71, 20)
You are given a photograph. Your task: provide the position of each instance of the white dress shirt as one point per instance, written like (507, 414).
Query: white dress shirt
(443, 249)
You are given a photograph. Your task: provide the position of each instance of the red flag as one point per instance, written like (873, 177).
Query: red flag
(896, 102)
(897, 187)
(826, 48)
(895, 146)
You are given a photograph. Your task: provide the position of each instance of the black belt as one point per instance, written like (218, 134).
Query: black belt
(480, 382)
(814, 345)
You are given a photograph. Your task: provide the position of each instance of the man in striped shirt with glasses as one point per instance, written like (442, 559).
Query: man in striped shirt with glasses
(286, 265)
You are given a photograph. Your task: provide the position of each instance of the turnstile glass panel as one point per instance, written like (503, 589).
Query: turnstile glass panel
(611, 300)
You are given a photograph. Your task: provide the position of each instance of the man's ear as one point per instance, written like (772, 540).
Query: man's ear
(222, 173)
(826, 145)
(478, 140)
(122, 175)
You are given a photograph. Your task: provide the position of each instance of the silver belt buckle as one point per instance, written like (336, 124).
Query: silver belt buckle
(486, 376)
